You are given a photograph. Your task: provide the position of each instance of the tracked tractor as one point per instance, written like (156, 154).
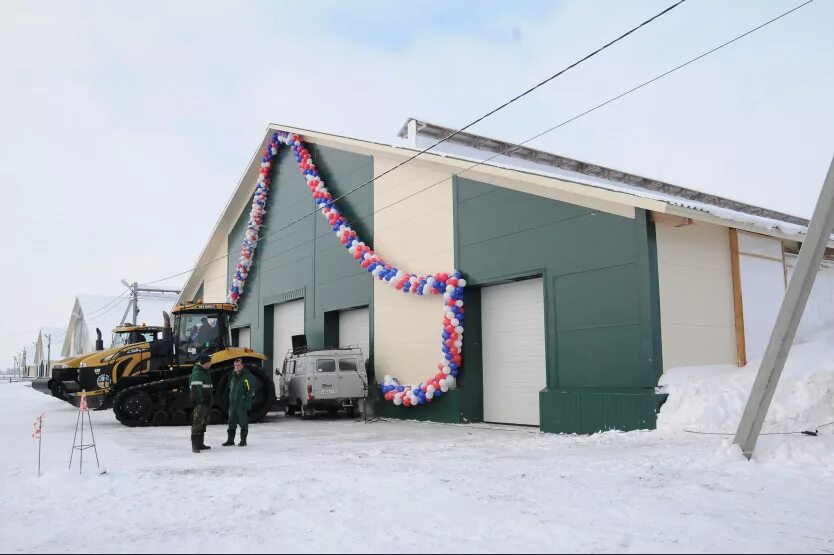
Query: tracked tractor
(147, 383)
(63, 381)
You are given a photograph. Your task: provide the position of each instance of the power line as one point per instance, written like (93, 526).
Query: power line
(533, 88)
(501, 153)
(464, 128)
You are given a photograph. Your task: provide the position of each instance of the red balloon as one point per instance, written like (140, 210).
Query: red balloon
(407, 401)
(449, 343)
(423, 387)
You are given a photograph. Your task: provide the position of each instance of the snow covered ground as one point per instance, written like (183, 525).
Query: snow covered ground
(340, 486)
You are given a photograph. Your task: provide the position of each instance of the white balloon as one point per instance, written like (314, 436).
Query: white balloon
(430, 394)
(444, 387)
(427, 289)
(455, 322)
(398, 400)
(458, 303)
(451, 382)
(458, 343)
(446, 370)
(387, 379)
(459, 329)
(450, 288)
(462, 282)
(430, 389)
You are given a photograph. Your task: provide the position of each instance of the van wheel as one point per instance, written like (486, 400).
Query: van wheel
(351, 412)
(307, 411)
(289, 410)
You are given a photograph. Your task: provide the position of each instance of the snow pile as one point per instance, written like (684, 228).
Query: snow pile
(712, 398)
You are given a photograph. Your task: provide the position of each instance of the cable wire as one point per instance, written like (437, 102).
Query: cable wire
(505, 151)
(467, 126)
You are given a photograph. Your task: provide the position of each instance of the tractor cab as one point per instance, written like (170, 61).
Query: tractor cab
(200, 328)
(130, 334)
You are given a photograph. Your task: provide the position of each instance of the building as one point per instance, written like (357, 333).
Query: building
(584, 283)
(48, 348)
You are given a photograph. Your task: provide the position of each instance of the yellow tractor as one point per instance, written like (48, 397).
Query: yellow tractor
(147, 383)
(63, 381)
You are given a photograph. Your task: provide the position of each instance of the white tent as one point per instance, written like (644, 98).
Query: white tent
(105, 313)
(48, 349)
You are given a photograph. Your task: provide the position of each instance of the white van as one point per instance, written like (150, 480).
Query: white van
(323, 380)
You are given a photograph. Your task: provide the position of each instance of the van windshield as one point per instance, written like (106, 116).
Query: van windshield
(347, 365)
(325, 365)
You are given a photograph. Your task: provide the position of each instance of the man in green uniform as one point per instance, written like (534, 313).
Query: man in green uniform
(201, 398)
(241, 392)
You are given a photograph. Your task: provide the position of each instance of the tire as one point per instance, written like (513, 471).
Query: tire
(133, 408)
(264, 395)
(180, 417)
(351, 412)
(160, 418)
(308, 411)
(332, 412)
(58, 391)
(289, 410)
(216, 416)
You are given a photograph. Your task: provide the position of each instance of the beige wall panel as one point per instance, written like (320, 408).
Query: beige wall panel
(696, 295)
(415, 235)
(215, 276)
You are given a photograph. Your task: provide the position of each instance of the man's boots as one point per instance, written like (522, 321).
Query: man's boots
(195, 444)
(203, 445)
(231, 440)
(243, 434)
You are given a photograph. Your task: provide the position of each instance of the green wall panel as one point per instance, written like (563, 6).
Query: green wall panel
(601, 308)
(302, 253)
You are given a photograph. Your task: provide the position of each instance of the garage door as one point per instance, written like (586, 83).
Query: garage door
(244, 337)
(512, 317)
(355, 330)
(288, 320)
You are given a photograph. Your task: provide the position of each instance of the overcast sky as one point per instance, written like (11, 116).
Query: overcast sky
(125, 126)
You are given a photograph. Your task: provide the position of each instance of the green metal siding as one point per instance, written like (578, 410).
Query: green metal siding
(600, 295)
(304, 258)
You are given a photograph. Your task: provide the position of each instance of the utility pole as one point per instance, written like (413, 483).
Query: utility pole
(24, 362)
(48, 355)
(14, 368)
(796, 297)
(134, 296)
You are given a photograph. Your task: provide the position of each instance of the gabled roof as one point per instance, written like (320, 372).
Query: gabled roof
(548, 172)
(584, 172)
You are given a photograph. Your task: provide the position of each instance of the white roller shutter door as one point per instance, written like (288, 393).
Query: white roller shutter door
(244, 337)
(515, 368)
(288, 320)
(354, 329)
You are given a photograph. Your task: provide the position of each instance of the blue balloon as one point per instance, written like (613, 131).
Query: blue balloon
(421, 401)
(455, 373)
(400, 388)
(453, 366)
(438, 394)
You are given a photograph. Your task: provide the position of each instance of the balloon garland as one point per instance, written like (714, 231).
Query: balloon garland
(449, 285)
